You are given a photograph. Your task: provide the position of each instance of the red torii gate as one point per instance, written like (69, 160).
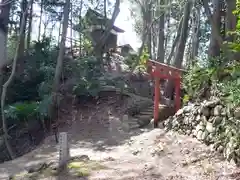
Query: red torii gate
(159, 71)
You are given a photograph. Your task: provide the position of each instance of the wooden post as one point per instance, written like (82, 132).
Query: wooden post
(156, 101)
(177, 92)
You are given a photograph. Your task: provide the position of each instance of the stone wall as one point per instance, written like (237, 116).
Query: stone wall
(211, 122)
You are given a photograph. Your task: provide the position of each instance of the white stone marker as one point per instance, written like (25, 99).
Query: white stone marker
(64, 154)
(125, 123)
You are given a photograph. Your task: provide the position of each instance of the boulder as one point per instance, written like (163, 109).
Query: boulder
(217, 120)
(211, 103)
(205, 111)
(237, 112)
(209, 127)
(210, 122)
(217, 110)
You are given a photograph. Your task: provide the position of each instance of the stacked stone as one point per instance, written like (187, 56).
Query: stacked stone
(211, 122)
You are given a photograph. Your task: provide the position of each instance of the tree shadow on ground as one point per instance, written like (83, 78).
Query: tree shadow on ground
(88, 133)
(89, 124)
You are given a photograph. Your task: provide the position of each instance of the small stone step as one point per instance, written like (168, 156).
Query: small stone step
(144, 122)
(143, 116)
(149, 109)
(134, 126)
(150, 113)
(132, 123)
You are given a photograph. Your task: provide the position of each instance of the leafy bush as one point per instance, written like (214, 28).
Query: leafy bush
(196, 79)
(88, 79)
(223, 79)
(137, 63)
(36, 67)
(22, 112)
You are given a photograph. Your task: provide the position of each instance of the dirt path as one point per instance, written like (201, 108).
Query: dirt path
(143, 154)
(148, 154)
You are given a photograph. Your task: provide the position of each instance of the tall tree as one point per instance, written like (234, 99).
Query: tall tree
(30, 18)
(195, 32)
(149, 19)
(178, 59)
(175, 41)
(109, 25)
(161, 36)
(183, 35)
(40, 19)
(58, 71)
(231, 19)
(23, 35)
(214, 48)
(145, 22)
(9, 82)
(4, 21)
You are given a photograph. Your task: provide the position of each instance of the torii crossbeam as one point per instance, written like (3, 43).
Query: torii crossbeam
(159, 71)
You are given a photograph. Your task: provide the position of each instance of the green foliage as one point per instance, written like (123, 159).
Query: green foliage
(38, 66)
(144, 57)
(225, 80)
(186, 99)
(22, 112)
(196, 79)
(88, 82)
(221, 77)
(130, 60)
(232, 91)
(136, 62)
(228, 137)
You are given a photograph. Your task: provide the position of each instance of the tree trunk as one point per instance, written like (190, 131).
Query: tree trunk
(71, 31)
(178, 59)
(4, 20)
(11, 20)
(195, 35)
(183, 36)
(140, 51)
(29, 26)
(58, 71)
(214, 27)
(40, 21)
(167, 31)
(80, 37)
(214, 47)
(8, 83)
(176, 40)
(149, 20)
(99, 46)
(149, 43)
(154, 41)
(23, 35)
(105, 9)
(230, 18)
(161, 37)
(59, 33)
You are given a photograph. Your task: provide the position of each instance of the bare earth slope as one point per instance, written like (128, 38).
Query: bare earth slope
(143, 154)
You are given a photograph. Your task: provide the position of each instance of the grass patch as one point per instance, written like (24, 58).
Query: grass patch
(75, 168)
(84, 168)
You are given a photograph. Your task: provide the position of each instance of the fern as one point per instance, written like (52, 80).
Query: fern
(26, 111)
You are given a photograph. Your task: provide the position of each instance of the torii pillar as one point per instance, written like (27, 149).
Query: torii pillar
(159, 71)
